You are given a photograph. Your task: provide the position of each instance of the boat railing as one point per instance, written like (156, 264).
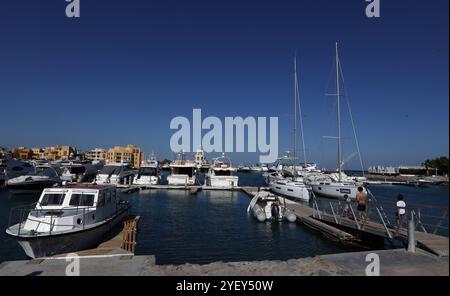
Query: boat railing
(427, 218)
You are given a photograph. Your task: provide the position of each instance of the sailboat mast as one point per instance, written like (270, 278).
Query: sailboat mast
(295, 109)
(297, 92)
(338, 113)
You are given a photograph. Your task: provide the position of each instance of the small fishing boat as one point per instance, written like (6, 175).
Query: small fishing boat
(68, 219)
(266, 206)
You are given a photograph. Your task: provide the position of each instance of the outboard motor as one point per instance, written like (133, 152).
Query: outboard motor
(275, 211)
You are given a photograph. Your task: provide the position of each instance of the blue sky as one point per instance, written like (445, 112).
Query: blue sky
(122, 71)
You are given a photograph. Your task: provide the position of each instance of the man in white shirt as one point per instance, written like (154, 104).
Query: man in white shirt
(401, 209)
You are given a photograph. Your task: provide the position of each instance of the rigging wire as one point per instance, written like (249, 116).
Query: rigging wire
(347, 99)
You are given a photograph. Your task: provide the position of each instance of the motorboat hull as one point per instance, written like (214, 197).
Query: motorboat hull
(49, 245)
(223, 181)
(180, 180)
(30, 187)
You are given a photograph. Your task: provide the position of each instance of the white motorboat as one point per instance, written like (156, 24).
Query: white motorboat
(11, 168)
(266, 206)
(44, 176)
(221, 174)
(69, 219)
(80, 171)
(182, 172)
(115, 173)
(148, 174)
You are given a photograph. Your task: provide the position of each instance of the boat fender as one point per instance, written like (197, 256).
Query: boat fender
(290, 217)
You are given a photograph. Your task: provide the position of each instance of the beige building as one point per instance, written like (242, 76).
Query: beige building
(59, 152)
(22, 153)
(96, 154)
(38, 153)
(130, 154)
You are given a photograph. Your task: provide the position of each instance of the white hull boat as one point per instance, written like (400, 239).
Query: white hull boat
(116, 174)
(221, 174)
(266, 206)
(43, 177)
(69, 219)
(336, 189)
(295, 189)
(148, 174)
(182, 173)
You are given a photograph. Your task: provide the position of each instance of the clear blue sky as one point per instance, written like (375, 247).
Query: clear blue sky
(122, 71)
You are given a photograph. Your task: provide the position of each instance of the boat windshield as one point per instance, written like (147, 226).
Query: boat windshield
(222, 172)
(45, 172)
(111, 170)
(52, 199)
(147, 171)
(183, 171)
(77, 169)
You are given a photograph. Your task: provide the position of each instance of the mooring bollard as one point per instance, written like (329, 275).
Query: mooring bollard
(411, 234)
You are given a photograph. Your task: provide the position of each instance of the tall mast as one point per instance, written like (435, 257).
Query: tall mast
(295, 109)
(300, 116)
(338, 113)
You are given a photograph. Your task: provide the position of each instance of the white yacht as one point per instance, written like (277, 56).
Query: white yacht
(293, 187)
(44, 176)
(115, 173)
(221, 174)
(11, 168)
(336, 185)
(266, 206)
(80, 171)
(182, 172)
(148, 174)
(69, 219)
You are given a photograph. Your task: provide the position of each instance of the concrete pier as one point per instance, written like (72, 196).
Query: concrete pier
(392, 263)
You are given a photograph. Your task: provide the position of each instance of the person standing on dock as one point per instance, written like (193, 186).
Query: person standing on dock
(361, 198)
(401, 209)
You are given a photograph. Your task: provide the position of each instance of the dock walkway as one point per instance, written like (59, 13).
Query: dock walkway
(346, 229)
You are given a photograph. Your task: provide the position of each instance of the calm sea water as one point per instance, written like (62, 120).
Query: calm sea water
(214, 226)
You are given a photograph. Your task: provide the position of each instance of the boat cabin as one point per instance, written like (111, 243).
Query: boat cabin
(70, 207)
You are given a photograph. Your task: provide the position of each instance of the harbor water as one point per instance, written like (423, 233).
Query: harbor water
(178, 227)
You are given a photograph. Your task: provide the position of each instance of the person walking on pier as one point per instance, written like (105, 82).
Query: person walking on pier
(401, 209)
(348, 204)
(361, 198)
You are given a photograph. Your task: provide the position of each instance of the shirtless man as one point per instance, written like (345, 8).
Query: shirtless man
(361, 198)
